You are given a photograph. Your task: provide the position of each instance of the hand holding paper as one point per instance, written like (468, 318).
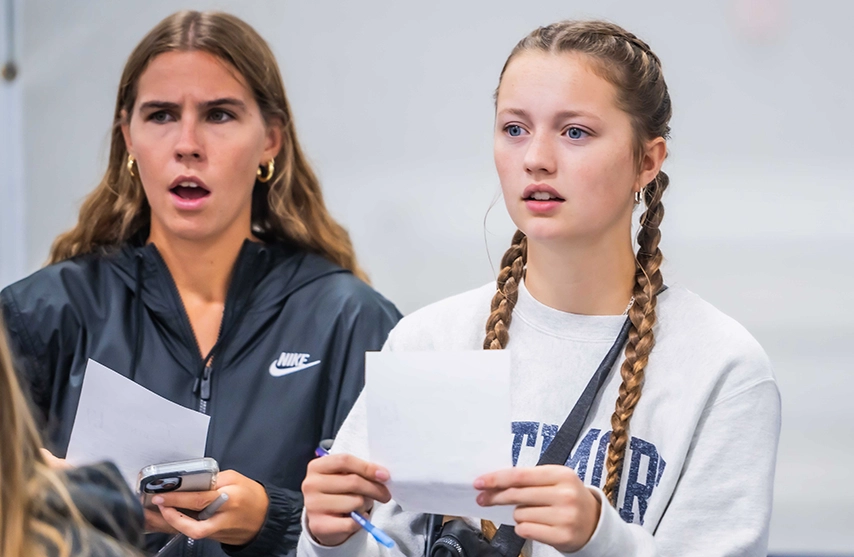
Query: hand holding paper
(554, 505)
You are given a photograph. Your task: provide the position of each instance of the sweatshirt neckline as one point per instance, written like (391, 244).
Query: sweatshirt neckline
(571, 326)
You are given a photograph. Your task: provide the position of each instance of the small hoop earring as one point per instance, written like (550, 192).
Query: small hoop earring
(271, 167)
(638, 196)
(131, 160)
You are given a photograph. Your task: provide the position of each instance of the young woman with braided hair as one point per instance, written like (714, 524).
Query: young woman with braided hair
(683, 462)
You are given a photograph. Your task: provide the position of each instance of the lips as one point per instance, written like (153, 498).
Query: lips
(541, 192)
(189, 193)
(190, 190)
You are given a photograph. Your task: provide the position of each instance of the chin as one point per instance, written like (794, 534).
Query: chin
(540, 230)
(200, 234)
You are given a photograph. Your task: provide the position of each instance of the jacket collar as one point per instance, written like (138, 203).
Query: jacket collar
(263, 274)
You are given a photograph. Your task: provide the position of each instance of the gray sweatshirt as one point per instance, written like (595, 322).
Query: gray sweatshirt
(699, 470)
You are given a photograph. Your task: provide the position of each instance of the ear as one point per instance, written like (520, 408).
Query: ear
(273, 142)
(655, 152)
(126, 131)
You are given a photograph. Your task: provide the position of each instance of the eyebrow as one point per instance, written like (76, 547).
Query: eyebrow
(559, 116)
(163, 105)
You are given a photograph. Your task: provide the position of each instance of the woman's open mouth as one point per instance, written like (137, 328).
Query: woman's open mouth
(541, 199)
(189, 193)
(190, 190)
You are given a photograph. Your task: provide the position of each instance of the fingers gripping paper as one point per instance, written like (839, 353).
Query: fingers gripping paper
(437, 421)
(124, 422)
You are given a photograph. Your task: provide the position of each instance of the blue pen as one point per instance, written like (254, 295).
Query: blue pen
(378, 534)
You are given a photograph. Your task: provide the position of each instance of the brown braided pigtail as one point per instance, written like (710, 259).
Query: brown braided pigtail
(506, 294)
(648, 282)
(497, 326)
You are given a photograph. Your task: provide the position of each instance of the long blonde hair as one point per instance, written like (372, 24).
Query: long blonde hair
(288, 208)
(635, 71)
(31, 494)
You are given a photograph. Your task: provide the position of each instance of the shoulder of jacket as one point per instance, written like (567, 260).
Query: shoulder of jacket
(457, 322)
(328, 285)
(52, 286)
(349, 295)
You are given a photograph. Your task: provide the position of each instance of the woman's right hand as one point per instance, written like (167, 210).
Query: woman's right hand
(336, 485)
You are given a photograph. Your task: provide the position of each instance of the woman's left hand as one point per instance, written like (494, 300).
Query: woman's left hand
(237, 522)
(553, 506)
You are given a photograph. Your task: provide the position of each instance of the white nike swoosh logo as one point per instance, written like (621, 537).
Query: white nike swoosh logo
(277, 371)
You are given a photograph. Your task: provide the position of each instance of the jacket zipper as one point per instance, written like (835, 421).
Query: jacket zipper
(202, 384)
(203, 388)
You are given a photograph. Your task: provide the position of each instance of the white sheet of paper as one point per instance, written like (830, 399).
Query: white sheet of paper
(124, 422)
(437, 421)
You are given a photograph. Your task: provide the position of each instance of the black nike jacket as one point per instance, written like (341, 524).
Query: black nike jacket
(287, 367)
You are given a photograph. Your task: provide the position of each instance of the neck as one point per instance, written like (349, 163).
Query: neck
(200, 269)
(586, 279)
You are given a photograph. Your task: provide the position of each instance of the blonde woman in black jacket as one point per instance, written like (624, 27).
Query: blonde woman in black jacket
(206, 268)
(44, 513)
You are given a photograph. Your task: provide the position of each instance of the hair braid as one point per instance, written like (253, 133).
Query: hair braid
(512, 272)
(498, 325)
(648, 282)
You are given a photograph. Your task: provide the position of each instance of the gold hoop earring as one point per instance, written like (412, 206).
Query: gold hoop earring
(271, 167)
(131, 160)
(638, 196)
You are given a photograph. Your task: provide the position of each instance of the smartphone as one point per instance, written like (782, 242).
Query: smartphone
(184, 475)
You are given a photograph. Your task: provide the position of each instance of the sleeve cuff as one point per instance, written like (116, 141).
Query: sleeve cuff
(309, 547)
(281, 528)
(609, 537)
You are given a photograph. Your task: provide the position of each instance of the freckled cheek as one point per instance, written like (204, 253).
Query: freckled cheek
(607, 178)
(510, 171)
(154, 150)
(235, 168)
(152, 164)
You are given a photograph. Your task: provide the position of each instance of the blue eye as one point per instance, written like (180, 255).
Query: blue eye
(575, 133)
(513, 130)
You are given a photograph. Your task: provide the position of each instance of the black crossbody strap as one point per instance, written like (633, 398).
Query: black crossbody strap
(505, 539)
(566, 437)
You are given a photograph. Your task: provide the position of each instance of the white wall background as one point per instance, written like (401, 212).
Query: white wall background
(393, 105)
(13, 253)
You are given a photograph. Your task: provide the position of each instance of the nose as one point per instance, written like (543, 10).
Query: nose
(540, 156)
(189, 145)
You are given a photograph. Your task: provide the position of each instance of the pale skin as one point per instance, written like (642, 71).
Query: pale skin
(194, 116)
(558, 126)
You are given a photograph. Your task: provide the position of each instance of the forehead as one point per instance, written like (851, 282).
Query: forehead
(546, 81)
(173, 76)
